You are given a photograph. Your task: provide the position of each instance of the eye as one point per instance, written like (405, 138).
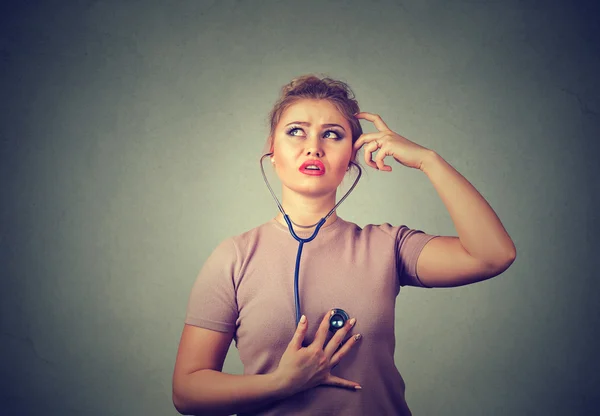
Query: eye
(293, 129)
(338, 136)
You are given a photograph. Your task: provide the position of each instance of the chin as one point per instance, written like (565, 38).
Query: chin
(314, 190)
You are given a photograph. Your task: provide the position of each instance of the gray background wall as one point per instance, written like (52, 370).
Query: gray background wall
(130, 137)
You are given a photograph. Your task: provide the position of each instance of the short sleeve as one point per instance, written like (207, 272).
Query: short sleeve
(410, 243)
(212, 303)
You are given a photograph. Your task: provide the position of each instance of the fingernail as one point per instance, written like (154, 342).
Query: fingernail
(352, 321)
(357, 336)
(358, 387)
(303, 319)
(332, 312)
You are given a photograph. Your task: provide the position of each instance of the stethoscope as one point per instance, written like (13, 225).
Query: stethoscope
(339, 317)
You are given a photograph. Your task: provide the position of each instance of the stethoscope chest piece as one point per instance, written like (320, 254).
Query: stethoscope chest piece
(338, 319)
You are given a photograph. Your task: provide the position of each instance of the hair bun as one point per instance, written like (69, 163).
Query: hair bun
(312, 85)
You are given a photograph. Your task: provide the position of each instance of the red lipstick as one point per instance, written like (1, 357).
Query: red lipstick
(312, 167)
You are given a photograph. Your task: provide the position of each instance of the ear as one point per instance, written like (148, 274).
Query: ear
(353, 153)
(272, 141)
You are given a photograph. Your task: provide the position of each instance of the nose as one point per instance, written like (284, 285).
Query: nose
(313, 147)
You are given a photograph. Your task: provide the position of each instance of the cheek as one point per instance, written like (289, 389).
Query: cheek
(285, 162)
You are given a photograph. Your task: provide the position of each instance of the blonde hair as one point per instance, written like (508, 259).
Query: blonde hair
(311, 86)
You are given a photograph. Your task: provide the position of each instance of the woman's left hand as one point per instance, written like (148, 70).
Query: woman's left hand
(389, 144)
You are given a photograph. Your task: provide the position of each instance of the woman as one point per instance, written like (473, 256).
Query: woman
(245, 290)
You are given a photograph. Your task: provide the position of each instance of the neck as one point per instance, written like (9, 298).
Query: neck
(306, 211)
(312, 222)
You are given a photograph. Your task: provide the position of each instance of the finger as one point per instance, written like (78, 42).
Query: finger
(338, 338)
(379, 160)
(339, 354)
(368, 137)
(369, 149)
(321, 334)
(340, 382)
(375, 118)
(298, 337)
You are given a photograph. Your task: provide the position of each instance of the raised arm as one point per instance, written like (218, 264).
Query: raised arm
(483, 248)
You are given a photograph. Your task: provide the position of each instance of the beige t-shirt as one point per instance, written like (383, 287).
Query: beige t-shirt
(247, 286)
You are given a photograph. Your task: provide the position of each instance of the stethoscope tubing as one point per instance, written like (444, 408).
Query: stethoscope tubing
(301, 241)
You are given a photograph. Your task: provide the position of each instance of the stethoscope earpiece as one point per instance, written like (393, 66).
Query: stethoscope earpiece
(338, 319)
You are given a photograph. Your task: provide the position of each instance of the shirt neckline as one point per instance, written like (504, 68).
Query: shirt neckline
(304, 234)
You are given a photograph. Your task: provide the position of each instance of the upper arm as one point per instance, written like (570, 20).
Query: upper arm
(200, 349)
(444, 262)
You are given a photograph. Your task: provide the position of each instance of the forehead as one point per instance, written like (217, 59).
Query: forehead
(313, 111)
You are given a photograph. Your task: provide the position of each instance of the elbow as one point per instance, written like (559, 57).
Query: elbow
(505, 262)
(511, 257)
(183, 406)
(179, 405)
(187, 400)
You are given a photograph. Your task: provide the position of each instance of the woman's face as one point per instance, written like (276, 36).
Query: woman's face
(312, 130)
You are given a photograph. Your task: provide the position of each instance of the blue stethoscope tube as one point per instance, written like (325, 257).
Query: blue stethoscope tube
(338, 319)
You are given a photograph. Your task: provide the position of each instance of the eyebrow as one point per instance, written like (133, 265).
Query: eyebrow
(304, 123)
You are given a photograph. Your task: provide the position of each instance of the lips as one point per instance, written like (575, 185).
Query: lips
(313, 162)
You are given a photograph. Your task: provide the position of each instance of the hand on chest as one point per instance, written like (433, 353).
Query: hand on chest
(364, 286)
